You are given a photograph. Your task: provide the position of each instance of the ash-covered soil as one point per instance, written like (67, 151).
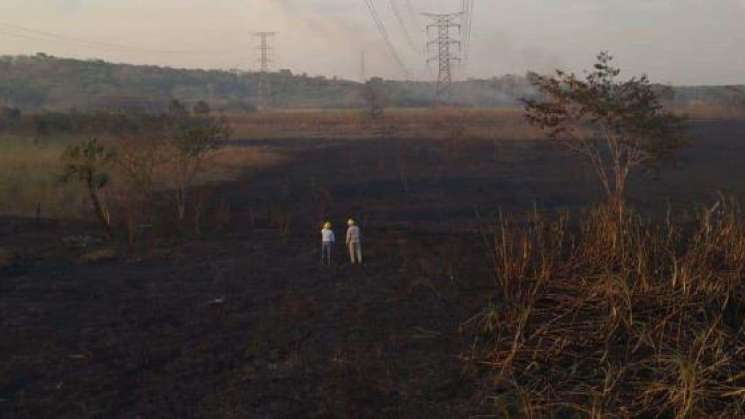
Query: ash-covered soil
(242, 321)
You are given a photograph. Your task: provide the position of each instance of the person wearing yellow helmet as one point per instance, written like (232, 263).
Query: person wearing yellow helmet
(328, 239)
(354, 241)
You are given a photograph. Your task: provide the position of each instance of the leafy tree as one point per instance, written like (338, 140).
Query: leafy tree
(615, 125)
(88, 163)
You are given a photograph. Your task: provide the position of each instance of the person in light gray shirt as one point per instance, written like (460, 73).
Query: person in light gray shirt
(354, 242)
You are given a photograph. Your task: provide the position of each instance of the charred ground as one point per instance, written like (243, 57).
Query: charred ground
(243, 322)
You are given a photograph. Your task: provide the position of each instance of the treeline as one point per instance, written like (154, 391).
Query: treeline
(43, 82)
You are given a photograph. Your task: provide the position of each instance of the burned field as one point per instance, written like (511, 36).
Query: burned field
(243, 321)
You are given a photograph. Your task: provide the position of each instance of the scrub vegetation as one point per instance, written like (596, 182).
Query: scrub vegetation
(596, 318)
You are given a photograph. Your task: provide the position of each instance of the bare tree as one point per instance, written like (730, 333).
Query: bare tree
(374, 95)
(616, 125)
(139, 157)
(140, 153)
(737, 97)
(192, 140)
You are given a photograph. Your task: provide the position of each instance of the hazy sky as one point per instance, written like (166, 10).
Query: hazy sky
(676, 41)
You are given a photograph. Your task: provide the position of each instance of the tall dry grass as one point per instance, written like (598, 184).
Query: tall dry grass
(604, 318)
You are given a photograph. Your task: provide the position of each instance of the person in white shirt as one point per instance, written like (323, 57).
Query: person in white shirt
(328, 239)
(354, 242)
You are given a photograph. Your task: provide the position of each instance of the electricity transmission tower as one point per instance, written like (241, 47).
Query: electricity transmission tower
(444, 52)
(265, 60)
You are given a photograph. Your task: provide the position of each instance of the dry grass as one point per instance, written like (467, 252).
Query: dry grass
(617, 318)
(711, 111)
(232, 162)
(505, 123)
(30, 176)
(284, 124)
(481, 123)
(29, 179)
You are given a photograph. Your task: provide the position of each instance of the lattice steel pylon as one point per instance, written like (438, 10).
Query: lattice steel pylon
(445, 56)
(265, 60)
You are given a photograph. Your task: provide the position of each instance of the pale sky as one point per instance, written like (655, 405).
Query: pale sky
(674, 41)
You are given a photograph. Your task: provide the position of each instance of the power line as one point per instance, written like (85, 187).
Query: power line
(402, 23)
(414, 17)
(386, 38)
(18, 36)
(412, 13)
(468, 22)
(38, 35)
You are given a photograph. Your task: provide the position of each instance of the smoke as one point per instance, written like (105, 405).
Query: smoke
(329, 37)
(59, 6)
(681, 41)
(498, 54)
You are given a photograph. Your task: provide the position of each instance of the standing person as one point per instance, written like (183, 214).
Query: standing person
(354, 242)
(328, 239)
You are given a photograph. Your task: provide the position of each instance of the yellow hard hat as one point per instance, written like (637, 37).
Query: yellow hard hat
(351, 222)
(327, 224)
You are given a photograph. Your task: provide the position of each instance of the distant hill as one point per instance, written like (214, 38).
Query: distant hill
(46, 82)
(43, 82)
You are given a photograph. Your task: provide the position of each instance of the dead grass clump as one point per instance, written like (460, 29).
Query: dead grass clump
(616, 318)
